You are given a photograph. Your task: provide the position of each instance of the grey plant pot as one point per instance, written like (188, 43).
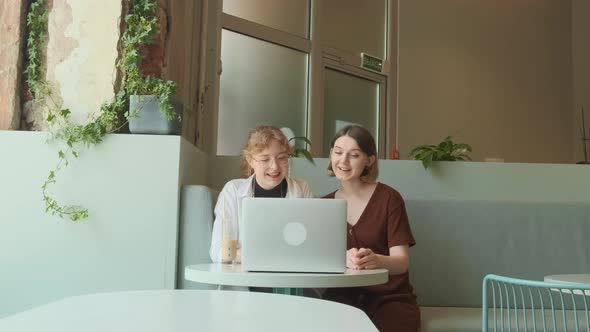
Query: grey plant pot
(150, 119)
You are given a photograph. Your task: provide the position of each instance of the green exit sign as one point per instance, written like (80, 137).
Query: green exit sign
(371, 62)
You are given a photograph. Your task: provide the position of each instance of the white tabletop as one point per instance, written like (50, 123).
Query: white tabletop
(569, 278)
(232, 275)
(188, 310)
(581, 279)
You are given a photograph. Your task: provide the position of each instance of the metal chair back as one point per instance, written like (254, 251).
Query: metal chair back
(510, 304)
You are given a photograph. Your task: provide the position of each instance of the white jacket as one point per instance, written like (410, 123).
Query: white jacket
(230, 199)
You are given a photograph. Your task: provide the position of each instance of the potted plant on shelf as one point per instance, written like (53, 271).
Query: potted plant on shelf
(153, 109)
(301, 152)
(446, 150)
(298, 150)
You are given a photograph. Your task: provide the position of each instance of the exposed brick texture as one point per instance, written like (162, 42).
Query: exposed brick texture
(11, 39)
(154, 54)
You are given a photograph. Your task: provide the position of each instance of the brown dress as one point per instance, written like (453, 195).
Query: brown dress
(383, 224)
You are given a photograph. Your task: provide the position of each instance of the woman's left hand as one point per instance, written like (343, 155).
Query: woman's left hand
(367, 259)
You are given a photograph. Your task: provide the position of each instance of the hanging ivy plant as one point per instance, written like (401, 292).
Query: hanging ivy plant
(37, 33)
(141, 25)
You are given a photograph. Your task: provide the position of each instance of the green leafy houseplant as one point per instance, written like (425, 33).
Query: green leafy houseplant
(444, 151)
(301, 152)
(141, 25)
(37, 30)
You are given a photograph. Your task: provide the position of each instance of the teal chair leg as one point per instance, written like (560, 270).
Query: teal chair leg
(288, 291)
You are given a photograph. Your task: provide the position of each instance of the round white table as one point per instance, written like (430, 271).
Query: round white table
(569, 278)
(188, 310)
(580, 279)
(282, 282)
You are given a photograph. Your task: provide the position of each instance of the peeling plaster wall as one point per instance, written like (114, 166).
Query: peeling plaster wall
(81, 54)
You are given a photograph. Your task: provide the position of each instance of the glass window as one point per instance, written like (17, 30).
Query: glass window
(355, 26)
(261, 83)
(290, 16)
(349, 99)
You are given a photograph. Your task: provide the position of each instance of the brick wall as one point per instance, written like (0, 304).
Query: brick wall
(11, 43)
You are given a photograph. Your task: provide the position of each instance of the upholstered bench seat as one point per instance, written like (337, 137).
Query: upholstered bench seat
(455, 319)
(460, 241)
(450, 319)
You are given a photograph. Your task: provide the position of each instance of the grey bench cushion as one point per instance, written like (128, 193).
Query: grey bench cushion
(459, 242)
(453, 319)
(450, 319)
(196, 224)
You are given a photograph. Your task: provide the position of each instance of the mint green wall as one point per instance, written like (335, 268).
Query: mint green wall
(446, 180)
(467, 180)
(130, 185)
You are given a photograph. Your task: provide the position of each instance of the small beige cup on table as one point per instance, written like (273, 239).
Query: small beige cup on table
(229, 241)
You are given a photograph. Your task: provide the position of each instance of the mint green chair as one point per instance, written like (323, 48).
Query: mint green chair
(510, 304)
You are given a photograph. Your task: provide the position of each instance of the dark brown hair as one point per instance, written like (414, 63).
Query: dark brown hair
(259, 139)
(366, 143)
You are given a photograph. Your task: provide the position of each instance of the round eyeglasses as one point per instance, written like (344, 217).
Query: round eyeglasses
(280, 160)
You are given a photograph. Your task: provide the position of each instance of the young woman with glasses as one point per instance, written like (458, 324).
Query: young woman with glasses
(264, 171)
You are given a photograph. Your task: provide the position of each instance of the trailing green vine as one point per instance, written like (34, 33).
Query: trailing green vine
(141, 25)
(37, 34)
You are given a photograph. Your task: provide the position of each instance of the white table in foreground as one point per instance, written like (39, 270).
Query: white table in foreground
(569, 278)
(188, 310)
(232, 275)
(573, 279)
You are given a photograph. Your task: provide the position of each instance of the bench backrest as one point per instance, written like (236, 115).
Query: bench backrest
(459, 242)
(196, 224)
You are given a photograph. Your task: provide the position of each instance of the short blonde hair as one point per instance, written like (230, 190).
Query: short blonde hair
(259, 139)
(366, 143)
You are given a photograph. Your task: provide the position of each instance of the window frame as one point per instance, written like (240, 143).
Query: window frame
(320, 57)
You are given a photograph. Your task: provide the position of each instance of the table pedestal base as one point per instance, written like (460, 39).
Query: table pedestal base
(288, 291)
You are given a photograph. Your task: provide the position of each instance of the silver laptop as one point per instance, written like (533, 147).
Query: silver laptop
(293, 235)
